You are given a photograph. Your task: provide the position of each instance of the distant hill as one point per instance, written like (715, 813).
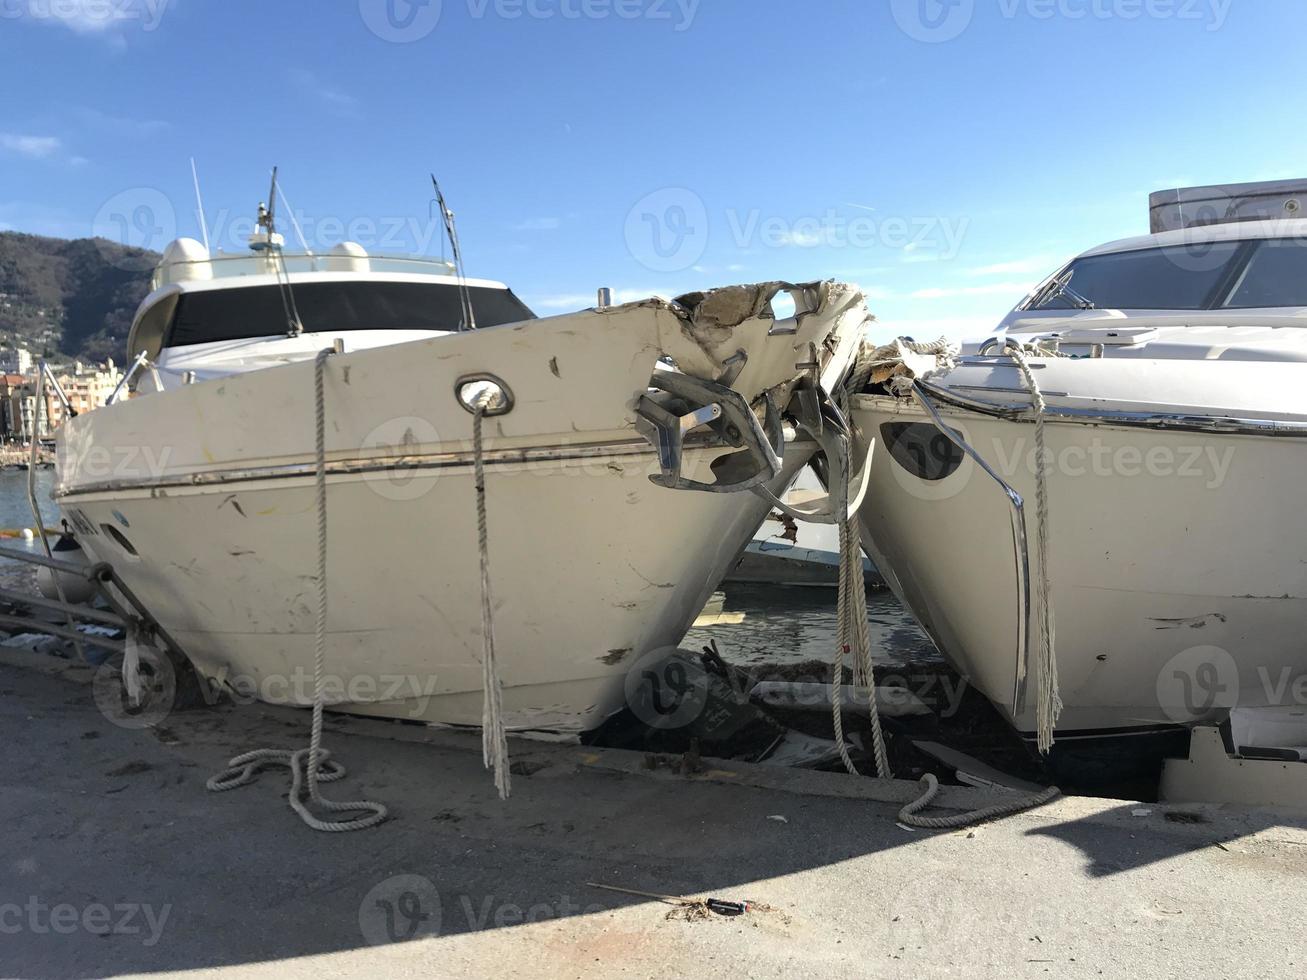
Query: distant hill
(70, 299)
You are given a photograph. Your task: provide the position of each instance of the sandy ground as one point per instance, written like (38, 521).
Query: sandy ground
(117, 861)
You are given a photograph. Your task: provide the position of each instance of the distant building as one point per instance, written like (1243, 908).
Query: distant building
(87, 388)
(15, 393)
(18, 361)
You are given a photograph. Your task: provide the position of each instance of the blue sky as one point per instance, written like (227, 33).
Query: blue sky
(945, 154)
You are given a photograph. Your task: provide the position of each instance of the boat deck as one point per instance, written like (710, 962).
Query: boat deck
(234, 884)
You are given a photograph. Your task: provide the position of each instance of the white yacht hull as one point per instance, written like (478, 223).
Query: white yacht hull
(1178, 578)
(593, 566)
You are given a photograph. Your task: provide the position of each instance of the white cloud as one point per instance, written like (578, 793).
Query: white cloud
(102, 18)
(32, 147)
(118, 125)
(337, 100)
(954, 328)
(801, 239)
(1033, 265)
(538, 224)
(876, 292)
(1017, 289)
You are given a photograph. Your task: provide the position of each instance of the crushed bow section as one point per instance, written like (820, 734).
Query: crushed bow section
(732, 369)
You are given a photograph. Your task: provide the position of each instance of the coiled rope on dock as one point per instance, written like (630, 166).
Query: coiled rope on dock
(312, 765)
(930, 787)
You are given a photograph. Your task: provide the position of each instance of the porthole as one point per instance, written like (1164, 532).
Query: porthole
(119, 539)
(921, 449)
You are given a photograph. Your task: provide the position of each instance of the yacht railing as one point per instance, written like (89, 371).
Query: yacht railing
(1178, 421)
(262, 264)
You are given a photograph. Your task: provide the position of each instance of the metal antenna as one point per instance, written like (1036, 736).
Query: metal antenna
(199, 205)
(465, 295)
(268, 222)
(272, 201)
(295, 222)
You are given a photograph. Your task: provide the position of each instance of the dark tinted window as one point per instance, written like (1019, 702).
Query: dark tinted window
(336, 307)
(1181, 277)
(1276, 275)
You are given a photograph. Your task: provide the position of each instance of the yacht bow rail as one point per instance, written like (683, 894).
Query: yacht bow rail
(235, 266)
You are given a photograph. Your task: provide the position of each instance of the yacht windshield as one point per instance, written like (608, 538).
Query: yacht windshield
(246, 312)
(1209, 276)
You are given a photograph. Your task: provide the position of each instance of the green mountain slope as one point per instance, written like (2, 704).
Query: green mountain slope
(70, 298)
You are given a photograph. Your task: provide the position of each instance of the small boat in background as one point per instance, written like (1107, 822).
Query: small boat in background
(789, 552)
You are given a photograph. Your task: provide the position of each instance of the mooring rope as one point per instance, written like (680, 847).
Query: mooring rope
(850, 557)
(1048, 700)
(312, 765)
(930, 786)
(853, 635)
(494, 739)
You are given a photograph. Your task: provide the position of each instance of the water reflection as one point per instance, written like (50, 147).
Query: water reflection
(793, 625)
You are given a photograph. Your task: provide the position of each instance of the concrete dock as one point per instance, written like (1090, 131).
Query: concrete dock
(118, 861)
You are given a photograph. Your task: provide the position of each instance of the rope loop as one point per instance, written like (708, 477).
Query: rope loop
(930, 789)
(313, 765)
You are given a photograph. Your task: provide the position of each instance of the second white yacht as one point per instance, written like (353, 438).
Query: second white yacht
(1172, 368)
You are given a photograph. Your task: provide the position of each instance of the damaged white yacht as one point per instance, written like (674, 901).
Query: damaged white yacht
(200, 491)
(1171, 373)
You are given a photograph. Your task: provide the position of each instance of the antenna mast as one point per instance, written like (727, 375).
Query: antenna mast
(267, 239)
(295, 222)
(199, 205)
(465, 295)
